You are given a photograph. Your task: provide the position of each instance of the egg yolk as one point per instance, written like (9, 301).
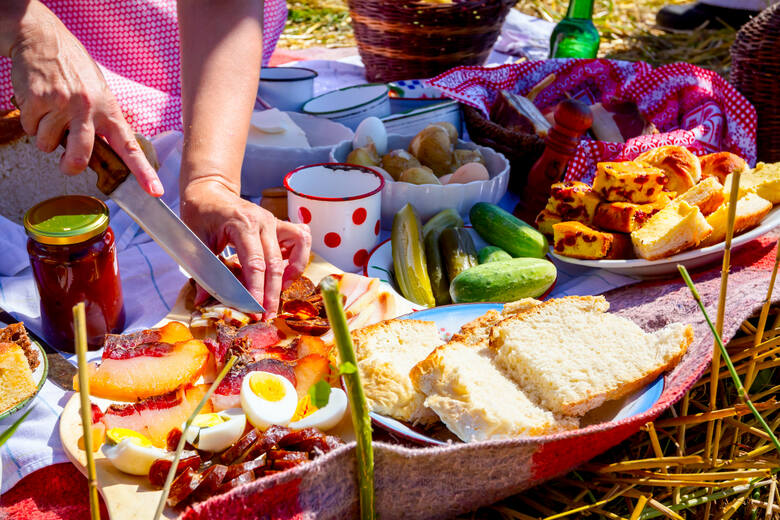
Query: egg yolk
(304, 409)
(207, 420)
(117, 435)
(267, 387)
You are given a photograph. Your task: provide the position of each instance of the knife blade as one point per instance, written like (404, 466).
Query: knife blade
(61, 371)
(173, 235)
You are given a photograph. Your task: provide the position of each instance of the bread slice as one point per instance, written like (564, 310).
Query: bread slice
(545, 221)
(572, 356)
(625, 217)
(681, 167)
(577, 240)
(386, 352)
(16, 333)
(677, 227)
(629, 182)
(16, 378)
(478, 330)
(763, 180)
(751, 210)
(707, 195)
(720, 164)
(573, 201)
(477, 400)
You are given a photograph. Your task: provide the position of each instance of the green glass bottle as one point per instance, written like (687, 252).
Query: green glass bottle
(575, 36)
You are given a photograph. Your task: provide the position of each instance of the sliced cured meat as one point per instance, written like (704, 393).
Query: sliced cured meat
(153, 343)
(227, 393)
(156, 416)
(158, 472)
(300, 289)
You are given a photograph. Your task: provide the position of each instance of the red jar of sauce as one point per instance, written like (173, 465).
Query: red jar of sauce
(73, 259)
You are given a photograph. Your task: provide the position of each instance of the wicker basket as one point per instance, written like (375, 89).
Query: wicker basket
(522, 150)
(755, 72)
(414, 39)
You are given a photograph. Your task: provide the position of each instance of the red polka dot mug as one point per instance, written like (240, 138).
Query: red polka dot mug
(342, 205)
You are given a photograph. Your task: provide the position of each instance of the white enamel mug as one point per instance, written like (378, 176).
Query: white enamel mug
(286, 88)
(342, 204)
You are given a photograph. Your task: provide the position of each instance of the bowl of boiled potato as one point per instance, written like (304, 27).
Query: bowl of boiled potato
(433, 170)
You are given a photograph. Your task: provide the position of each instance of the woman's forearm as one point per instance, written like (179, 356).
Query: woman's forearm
(221, 47)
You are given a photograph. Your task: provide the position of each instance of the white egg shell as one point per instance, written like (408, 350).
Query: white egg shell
(371, 130)
(445, 179)
(262, 413)
(326, 417)
(219, 437)
(469, 173)
(128, 457)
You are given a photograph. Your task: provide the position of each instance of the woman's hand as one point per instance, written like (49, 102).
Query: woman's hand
(59, 88)
(272, 252)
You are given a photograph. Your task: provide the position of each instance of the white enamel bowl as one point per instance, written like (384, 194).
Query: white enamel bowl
(351, 105)
(429, 199)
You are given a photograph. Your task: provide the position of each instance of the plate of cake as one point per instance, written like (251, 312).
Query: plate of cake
(667, 207)
(23, 369)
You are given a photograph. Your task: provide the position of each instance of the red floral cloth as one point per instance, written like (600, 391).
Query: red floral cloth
(136, 45)
(690, 106)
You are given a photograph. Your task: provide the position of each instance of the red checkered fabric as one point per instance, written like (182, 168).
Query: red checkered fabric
(136, 45)
(690, 106)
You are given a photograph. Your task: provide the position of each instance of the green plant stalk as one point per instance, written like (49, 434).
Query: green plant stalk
(360, 418)
(12, 429)
(182, 439)
(703, 499)
(743, 395)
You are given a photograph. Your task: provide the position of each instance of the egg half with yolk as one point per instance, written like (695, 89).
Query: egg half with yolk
(218, 431)
(268, 399)
(131, 452)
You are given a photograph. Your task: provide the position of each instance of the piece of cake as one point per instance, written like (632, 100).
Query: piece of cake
(629, 182)
(625, 217)
(707, 195)
(681, 167)
(577, 240)
(545, 221)
(16, 377)
(573, 201)
(720, 164)
(386, 352)
(16, 333)
(751, 210)
(571, 355)
(677, 227)
(763, 180)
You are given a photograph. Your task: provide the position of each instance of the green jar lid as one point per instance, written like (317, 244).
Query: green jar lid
(65, 220)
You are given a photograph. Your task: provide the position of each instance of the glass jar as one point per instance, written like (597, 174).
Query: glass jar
(73, 258)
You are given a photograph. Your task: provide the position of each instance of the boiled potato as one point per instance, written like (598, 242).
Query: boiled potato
(433, 148)
(397, 161)
(365, 156)
(451, 130)
(467, 156)
(419, 175)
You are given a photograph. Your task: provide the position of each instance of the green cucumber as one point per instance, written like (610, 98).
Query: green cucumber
(503, 281)
(442, 220)
(440, 284)
(502, 229)
(458, 251)
(492, 254)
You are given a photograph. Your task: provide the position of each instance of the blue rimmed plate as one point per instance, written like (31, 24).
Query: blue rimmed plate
(39, 376)
(449, 319)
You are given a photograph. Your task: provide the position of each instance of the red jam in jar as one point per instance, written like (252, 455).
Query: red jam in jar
(73, 258)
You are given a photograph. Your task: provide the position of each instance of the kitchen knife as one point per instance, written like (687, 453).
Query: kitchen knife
(162, 224)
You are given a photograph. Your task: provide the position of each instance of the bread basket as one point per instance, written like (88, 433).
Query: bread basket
(417, 39)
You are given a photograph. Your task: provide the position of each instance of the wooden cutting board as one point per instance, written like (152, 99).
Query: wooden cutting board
(128, 497)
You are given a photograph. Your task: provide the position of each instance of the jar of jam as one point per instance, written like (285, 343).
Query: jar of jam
(73, 258)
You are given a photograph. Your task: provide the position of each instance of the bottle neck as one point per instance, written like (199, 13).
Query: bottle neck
(580, 9)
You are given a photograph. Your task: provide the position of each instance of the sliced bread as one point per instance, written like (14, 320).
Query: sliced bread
(677, 227)
(476, 400)
(751, 210)
(386, 352)
(763, 180)
(707, 195)
(478, 330)
(571, 356)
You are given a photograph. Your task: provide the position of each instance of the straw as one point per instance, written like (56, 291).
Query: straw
(80, 328)
(182, 438)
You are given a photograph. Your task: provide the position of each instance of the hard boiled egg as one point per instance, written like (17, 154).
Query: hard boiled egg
(371, 130)
(469, 173)
(218, 431)
(326, 417)
(268, 399)
(131, 452)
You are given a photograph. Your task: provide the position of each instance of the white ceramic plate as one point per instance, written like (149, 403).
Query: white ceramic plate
(640, 268)
(39, 376)
(429, 199)
(449, 319)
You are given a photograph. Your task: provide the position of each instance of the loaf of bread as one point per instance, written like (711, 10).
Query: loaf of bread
(707, 195)
(571, 356)
(476, 399)
(751, 210)
(677, 227)
(763, 180)
(629, 182)
(720, 164)
(577, 240)
(573, 201)
(386, 352)
(681, 167)
(625, 217)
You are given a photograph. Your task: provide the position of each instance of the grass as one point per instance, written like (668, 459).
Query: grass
(627, 31)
